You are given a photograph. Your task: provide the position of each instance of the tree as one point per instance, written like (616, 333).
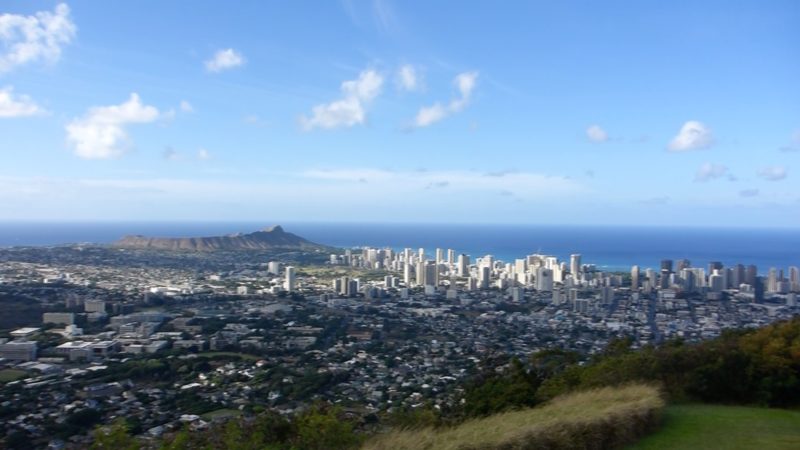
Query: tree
(114, 437)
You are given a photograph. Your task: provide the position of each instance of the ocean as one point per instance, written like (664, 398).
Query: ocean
(608, 247)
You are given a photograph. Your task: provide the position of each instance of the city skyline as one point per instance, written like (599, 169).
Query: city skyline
(574, 113)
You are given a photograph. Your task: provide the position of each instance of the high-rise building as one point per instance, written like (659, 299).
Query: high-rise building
(431, 274)
(666, 265)
(772, 280)
(607, 295)
(716, 282)
(463, 265)
(544, 279)
(290, 278)
(682, 264)
(737, 276)
(714, 265)
(484, 274)
(750, 275)
(635, 278)
(758, 289)
(273, 268)
(407, 273)
(451, 256)
(575, 265)
(420, 278)
(794, 278)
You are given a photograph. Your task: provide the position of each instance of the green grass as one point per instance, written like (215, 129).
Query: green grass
(724, 427)
(221, 413)
(600, 418)
(7, 375)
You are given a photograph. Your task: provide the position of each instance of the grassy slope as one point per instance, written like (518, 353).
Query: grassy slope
(724, 427)
(7, 375)
(566, 422)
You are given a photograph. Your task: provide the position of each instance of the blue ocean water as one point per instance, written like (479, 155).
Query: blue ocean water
(612, 248)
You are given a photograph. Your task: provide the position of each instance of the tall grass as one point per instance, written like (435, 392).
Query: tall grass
(597, 419)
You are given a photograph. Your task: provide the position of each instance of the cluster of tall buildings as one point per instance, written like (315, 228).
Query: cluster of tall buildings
(545, 273)
(681, 276)
(447, 268)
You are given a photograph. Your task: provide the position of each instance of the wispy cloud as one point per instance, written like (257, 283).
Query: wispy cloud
(13, 105)
(350, 110)
(224, 60)
(749, 193)
(29, 39)
(693, 135)
(408, 78)
(596, 134)
(465, 84)
(533, 185)
(710, 171)
(773, 173)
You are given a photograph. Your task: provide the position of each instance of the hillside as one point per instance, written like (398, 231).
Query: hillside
(266, 239)
(724, 427)
(600, 418)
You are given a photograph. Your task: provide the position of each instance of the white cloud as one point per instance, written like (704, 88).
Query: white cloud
(186, 107)
(203, 154)
(596, 134)
(17, 105)
(693, 135)
(773, 173)
(430, 114)
(28, 39)
(101, 134)
(709, 171)
(408, 79)
(224, 60)
(465, 84)
(349, 110)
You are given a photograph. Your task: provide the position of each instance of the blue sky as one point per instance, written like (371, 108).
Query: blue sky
(668, 113)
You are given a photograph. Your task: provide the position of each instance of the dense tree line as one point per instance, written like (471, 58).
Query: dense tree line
(322, 427)
(752, 367)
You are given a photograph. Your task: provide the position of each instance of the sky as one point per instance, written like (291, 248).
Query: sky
(575, 112)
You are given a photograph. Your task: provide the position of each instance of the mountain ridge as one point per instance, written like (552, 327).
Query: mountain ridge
(268, 238)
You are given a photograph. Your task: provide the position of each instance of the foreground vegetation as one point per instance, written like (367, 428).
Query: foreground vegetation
(753, 367)
(724, 427)
(596, 419)
(552, 400)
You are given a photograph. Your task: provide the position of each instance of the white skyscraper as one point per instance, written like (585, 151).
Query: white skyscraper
(274, 268)
(463, 265)
(290, 280)
(439, 255)
(575, 265)
(635, 278)
(407, 273)
(544, 279)
(420, 273)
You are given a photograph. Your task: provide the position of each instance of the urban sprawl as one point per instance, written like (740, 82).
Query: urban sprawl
(170, 339)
